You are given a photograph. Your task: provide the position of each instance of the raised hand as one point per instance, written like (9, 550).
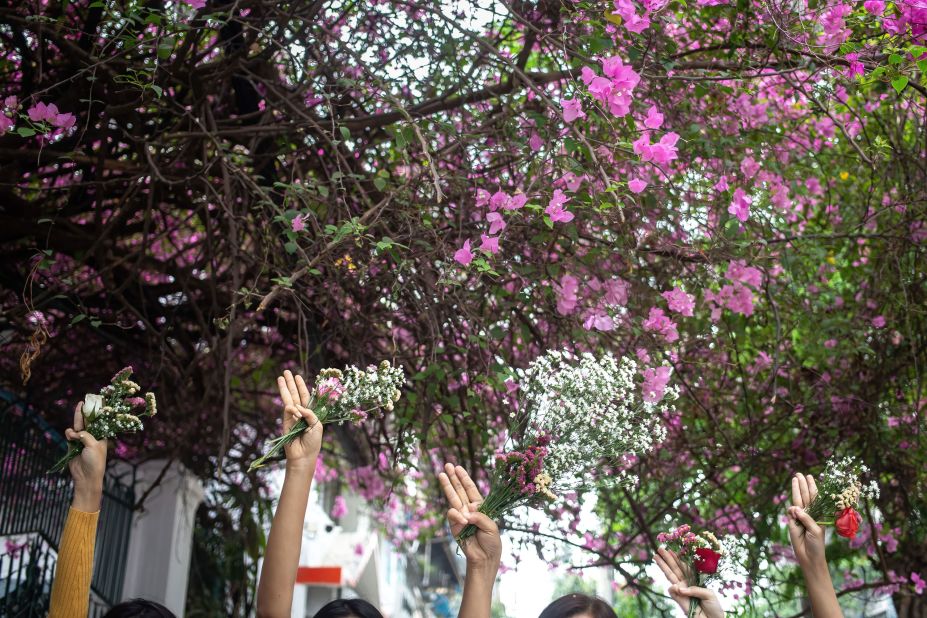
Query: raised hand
(484, 549)
(806, 535)
(295, 396)
(88, 468)
(678, 575)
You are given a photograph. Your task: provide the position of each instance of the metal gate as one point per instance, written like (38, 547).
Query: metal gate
(33, 507)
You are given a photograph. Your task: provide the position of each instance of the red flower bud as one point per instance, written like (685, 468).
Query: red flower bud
(847, 523)
(706, 560)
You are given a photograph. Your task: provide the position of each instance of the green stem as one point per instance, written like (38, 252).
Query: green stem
(693, 601)
(74, 449)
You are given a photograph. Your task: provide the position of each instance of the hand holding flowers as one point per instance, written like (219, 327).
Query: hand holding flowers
(108, 414)
(295, 397)
(88, 468)
(336, 397)
(679, 575)
(688, 561)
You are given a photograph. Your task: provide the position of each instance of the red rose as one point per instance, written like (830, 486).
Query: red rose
(706, 560)
(847, 523)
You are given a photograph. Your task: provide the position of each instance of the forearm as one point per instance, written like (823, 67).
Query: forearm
(281, 559)
(821, 591)
(70, 594)
(477, 592)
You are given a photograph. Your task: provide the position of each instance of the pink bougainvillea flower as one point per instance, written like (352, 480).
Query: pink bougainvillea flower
(680, 302)
(572, 109)
(665, 151)
(498, 200)
(636, 185)
(597, 320)
(490, 244)
(64, 121)
(535, 142)
(339, 508)
(878, 321)
(5, 124)
(875, 7)
(555, 209)
(298, 224)
(658, 322)
(40, 112)
(721, 185)
(197, 4)
(749, 167)
(654, 119)
(463, 255)
(567, 299)
(737, 270)
(515, 202)
(740, 205)
(496, 222)
(655, 381)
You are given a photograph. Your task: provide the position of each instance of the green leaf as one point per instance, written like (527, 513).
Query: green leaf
(894, 59)
(922, 65)
(899, 83)
(45, 221)
(96, 323)
(323, 190)
(345, 133)
(290, 247)
(157, 90)
(25, 132)
(379, 183)
(80, 317)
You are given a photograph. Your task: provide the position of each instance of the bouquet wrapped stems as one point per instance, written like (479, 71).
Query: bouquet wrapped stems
(111, 413)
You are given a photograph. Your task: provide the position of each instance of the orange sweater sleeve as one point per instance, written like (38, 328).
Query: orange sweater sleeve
(70, 594)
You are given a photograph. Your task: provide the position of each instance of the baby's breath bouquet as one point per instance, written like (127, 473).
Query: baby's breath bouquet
(111, 412)
(340, 396)
(580, 422)
(840, 489)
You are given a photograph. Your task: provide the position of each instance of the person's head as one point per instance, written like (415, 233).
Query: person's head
(348, 608)
(578, 606)
(139, 608)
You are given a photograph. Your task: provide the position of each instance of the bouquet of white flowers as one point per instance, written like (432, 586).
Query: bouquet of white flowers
(339, 396)
(111, 412)
(579, 423)
(840, 491)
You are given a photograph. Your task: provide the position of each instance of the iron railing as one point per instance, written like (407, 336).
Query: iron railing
(33, 507)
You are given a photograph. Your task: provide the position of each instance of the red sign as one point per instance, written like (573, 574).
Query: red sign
(319, 576)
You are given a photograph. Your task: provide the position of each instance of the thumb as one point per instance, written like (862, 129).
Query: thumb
(84, 437)
(78, 416)
(482, 521)
(694, 591)
(805, 519)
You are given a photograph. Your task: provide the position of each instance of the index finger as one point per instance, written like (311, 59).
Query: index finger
(665, 568)
(285, 392)
(449, 492)
(473, 492)
(79, 416)
(796, 494)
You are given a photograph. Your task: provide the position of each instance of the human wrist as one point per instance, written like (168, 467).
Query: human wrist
(87, 498)
(815, 570)
(485, 570)
(302, 465)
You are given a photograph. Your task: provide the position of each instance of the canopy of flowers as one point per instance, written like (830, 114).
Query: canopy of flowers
(731, 193)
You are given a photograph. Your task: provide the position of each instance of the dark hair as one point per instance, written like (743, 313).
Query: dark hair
(574, 604)
(139, 608)
(348, 608)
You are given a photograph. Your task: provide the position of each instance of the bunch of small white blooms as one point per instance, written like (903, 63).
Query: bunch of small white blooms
(592, 408)
(841, 487)
(114, 411)
(359, 392)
